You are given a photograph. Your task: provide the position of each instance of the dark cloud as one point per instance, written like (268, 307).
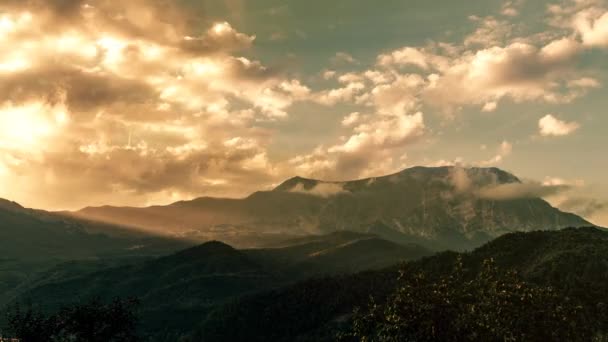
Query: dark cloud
(82, 91)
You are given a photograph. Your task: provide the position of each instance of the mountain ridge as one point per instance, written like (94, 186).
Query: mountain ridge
(450, 207)
(192, 282)
(307, 182)
(572, 261)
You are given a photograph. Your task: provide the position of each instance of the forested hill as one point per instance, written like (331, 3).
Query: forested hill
(571, 262)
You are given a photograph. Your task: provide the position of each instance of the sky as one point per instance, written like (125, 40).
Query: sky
(147, 102)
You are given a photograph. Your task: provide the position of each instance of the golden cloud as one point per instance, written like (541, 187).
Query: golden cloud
(96, 107)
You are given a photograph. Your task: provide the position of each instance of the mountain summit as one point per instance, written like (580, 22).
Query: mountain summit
(440, 207)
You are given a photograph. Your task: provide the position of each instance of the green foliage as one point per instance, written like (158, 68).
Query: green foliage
(525, 286)
(313, 310)
(494, 305)
(91, 322)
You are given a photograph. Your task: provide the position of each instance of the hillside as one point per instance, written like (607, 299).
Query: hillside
(35, 234)
(573, 261)
(441, 208)
(33, 241)
(179, 290)
(336, 253)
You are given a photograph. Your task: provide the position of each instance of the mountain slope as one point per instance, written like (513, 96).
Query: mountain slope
(175, 291)
(442, 208)
(34, 234)
(32, 241)
(336, 253)
(178, 291)
(573, 261)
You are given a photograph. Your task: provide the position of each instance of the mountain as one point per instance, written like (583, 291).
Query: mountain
(175, 290)
(32, 241)
(179, 290)
(35, 234)
(573, 262)
(335, 253)
(441, 208)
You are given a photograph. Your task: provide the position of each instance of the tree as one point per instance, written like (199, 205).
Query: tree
(491, 306)
(92, 322)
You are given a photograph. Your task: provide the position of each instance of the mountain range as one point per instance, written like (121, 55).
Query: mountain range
(573, 262)
(440, 208)
(31, 241)
(317, 249)
(177, 290)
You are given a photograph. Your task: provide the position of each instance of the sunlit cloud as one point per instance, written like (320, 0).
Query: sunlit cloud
(98, 108)
(89, 89)
(549, 125)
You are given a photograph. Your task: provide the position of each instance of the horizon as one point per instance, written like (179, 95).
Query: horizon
(529, 189)
(225, 98)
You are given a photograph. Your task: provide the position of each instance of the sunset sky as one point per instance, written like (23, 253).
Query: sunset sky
(145, 102)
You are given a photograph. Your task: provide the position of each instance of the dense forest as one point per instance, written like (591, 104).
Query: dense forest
(535, 286)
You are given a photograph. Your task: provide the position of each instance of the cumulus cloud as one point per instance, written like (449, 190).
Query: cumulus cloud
(368, 151)
(87, 89)
(351, 119)
(384, 133)
(490, 66)
(347, 93)
(511, 8)
(490, 32)
(549, 125)
(504, 150)
(489, 107)
(519, 71)
(406, 56)
(592, 25)
(493, 63)
(96, 108)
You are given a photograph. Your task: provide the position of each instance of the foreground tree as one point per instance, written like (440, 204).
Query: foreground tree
(92, 322)
(492, 306)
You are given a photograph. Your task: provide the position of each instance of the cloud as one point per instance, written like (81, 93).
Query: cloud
(504, 150)
(513, 191)
(406, 56)
(511, 8)
(343, 58)
(368, 151)
(491, 64)
(346, 93)
(220, 37)
(486, 184)
(519, 71)
(489, 107)
(586, 207)
(491, 31)
(551, 126)
(592, 25)
(351, 119)
(460, 179)
(383, 133)
(324, 190)
(97, 108)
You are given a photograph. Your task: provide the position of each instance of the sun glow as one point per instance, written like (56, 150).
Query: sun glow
(11, 23)
(221, 28)
(27, 126)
